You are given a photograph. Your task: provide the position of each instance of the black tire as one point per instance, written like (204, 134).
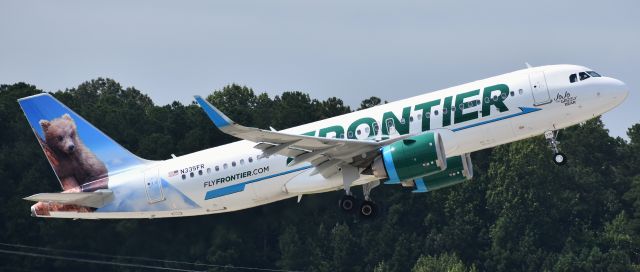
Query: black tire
(560, 158)
(347, 203)
(368, 209)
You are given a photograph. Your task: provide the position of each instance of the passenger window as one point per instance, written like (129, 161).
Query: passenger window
(217, 168)
(191, 174)
(573, 78)
(583, 76)
(200, 172)
(410, 118)
(435, 112)
(184, 176)
(208, 170)
(250, 159)
(233, 163)
(241, 161)
(225, 166)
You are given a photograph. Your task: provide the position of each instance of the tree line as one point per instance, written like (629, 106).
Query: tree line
(519, 213)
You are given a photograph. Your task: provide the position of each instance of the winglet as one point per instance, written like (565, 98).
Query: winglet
(218, 118)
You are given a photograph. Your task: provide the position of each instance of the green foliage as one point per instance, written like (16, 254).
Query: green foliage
(519, 213)
(442, 263)
(370, 102)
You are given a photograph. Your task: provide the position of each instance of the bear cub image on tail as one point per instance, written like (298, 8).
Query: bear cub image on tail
(74, 164)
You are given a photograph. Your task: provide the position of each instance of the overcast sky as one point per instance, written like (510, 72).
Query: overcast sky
(172, 50)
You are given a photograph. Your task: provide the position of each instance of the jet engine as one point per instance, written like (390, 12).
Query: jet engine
(410, 158)
(459, 169)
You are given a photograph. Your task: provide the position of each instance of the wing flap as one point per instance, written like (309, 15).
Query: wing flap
(95, 199)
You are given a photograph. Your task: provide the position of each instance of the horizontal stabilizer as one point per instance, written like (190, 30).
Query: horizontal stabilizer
(95, 199)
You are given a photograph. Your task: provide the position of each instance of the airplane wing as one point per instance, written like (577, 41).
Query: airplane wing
(95, 199)
(324, 153)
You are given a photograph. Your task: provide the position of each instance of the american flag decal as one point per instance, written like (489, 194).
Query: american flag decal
(173, 173)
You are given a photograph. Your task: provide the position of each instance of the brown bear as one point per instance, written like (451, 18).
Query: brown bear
(75, 165)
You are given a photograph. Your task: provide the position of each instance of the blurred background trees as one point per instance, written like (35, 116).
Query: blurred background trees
(520, 212)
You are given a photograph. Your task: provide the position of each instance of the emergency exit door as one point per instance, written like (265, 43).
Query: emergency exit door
(539, 88)
(153, 186)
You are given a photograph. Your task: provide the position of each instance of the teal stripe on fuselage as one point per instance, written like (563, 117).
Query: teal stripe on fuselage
(524, 110)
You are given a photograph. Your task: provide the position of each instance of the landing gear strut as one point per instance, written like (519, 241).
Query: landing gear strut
(347, 203)
(559, 158)
(368, 208)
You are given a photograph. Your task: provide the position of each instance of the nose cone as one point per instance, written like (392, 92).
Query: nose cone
(617, 90)
(610, 93)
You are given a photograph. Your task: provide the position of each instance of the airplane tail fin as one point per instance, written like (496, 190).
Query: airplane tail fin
(81, 156)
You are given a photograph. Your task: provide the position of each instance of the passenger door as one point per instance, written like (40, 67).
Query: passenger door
(539, 88)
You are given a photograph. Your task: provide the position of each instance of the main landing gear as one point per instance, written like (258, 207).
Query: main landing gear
(368, 208)
(348, 202)
(559, 158)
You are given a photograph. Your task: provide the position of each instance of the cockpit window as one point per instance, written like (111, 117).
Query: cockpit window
(573, 78)
(593, 74)
(583, 76)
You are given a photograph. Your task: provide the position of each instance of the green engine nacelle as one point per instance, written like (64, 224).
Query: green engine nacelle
(459, 169)
(410, 158)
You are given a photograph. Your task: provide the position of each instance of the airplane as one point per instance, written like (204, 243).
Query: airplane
(422, 142)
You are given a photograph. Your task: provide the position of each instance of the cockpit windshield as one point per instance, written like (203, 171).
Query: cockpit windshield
(583, 76)
(593, 74)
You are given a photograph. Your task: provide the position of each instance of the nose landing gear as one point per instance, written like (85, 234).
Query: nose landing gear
(559, 158)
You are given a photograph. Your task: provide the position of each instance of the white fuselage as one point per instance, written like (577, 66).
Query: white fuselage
(232, 177)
